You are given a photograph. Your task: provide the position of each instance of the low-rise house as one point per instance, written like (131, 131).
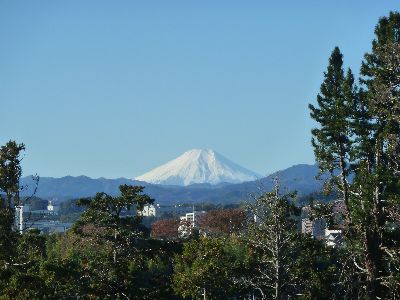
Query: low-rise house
(318, 227)
(333, 237)
(149, 210)
(314, 227)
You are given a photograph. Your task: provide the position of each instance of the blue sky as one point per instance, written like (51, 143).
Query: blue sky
(115, 88)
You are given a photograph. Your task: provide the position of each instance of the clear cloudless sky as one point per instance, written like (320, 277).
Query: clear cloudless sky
(116, 88)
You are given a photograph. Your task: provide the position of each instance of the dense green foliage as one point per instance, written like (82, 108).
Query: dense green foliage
(257, 252)
(359, 132)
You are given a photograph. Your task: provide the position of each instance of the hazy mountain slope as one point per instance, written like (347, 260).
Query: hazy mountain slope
(299, 177)
(198, 166)
(70, 187)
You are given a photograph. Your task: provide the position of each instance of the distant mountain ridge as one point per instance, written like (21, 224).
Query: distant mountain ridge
(198, 166)
(299, 177)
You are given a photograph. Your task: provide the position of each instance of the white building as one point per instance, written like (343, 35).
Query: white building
(333, 238)
(188, 222)
(317, 227)
(20, 222)
(52, 207)
(149, 210)
(43, 220)
(192, 217)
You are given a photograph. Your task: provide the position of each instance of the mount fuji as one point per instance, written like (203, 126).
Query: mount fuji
(198, 166)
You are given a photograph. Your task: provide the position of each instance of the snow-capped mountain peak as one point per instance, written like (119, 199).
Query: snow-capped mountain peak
(198, 166)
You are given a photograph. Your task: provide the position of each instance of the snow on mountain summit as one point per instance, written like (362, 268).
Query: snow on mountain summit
(198, 166)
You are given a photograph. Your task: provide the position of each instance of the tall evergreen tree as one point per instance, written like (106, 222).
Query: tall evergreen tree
(362, 129)
(10, 174)
(376, 188)
(332, 139)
